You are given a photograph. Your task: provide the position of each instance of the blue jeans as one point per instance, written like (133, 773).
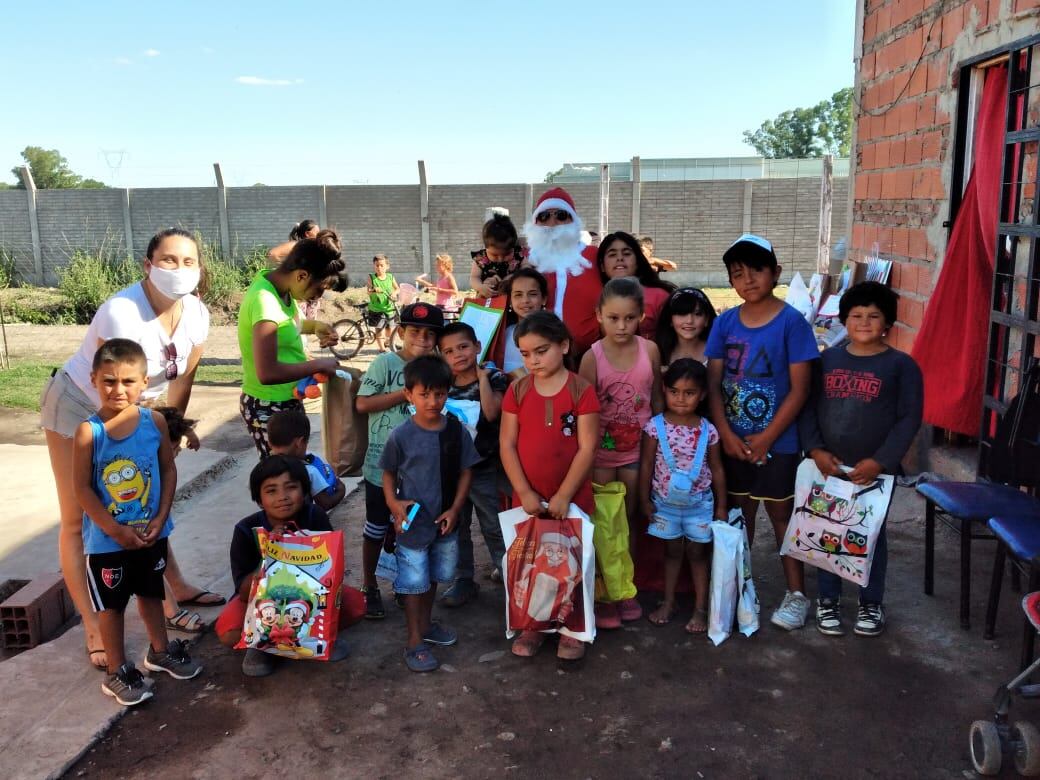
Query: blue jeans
(828, 586)
(419, 568)
(484, 500)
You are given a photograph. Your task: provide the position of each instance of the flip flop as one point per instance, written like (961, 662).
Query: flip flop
(698, 613)
(197, 600)
(90, 657)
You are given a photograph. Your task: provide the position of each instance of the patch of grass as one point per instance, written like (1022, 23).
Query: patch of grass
(218, 375)
(21, 385)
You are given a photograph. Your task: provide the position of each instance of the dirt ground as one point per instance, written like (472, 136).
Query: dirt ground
(646, 701)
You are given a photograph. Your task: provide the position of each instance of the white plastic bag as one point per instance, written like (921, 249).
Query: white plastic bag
(732, 589)
(798, 296)
(550, 573)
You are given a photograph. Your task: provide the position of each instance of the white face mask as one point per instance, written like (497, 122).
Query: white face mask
(177, 283)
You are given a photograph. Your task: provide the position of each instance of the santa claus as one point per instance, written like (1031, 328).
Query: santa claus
(556, 249)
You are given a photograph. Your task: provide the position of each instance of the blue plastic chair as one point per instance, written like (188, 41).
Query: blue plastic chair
(963, 504)
(1020, 537)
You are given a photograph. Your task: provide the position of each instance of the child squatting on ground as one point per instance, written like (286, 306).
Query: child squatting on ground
(280, 486)
(682, 486)
(427, 467)
(288, 433)
(625, 369)
(125, 479)
(863, 414)
(760, 360)
(382, 397)
(550, 432)
(482, 387)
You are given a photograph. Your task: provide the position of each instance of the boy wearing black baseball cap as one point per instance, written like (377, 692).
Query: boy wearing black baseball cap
(382, 398)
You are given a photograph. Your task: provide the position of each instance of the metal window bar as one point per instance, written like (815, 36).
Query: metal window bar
(1014, 322)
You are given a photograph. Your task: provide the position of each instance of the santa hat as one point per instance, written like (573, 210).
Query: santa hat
(300, 604)
(556, 198)
(561, 539)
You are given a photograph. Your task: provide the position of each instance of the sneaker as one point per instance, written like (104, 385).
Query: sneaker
(257, 663)
(870, 620)
(420, 659)
(373, 603)
(607, 616)
(128, 686)
(828, 617)
(440, 635)
(462, 591)
(792, 612)
(174, 660)
(398, 599)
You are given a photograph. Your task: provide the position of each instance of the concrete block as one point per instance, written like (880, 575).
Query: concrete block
(34, 613)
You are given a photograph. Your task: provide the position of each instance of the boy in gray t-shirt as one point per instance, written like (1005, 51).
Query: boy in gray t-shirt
(426, 464)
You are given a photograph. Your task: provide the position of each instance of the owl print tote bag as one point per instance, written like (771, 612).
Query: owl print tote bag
(835, 524)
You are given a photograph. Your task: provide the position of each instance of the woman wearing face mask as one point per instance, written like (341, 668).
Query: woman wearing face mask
(171, 324)
(271, 327)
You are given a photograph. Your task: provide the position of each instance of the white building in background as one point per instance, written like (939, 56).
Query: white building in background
(702, 168)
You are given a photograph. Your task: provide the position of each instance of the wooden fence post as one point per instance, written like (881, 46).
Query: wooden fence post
(823, 248)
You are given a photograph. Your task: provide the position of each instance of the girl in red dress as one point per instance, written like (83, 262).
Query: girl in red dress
(548, 439)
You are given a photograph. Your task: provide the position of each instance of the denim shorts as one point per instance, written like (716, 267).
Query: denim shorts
(418, 567)
(692, 522)
(63, 406)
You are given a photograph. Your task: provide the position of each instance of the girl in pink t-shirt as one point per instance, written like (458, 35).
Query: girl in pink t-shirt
(625, 369)
(445, 287)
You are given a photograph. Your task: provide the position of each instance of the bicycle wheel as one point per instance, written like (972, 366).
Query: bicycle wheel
(351, 339)
(395, 342)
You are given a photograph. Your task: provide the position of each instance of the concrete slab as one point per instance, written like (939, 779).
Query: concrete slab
(54, 709)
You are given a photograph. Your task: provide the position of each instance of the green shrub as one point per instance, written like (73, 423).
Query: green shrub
(225, 280)
(7, 270)
(253, 262)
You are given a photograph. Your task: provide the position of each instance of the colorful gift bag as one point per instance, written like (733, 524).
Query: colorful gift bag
(835, 524)
(293, 607)
(732, 591)
(549, 573)
(614, 569)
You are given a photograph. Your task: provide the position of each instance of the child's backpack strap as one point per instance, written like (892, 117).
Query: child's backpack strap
(577, 385)
(450, 440)
(520, 388)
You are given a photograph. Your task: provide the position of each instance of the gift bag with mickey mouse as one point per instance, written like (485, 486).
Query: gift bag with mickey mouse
(835, 524)
(293, 608)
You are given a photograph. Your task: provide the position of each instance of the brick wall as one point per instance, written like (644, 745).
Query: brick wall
(692, 222)
(905, 140)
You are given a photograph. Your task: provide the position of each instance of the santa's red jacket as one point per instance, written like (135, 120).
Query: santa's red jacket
(579, 303)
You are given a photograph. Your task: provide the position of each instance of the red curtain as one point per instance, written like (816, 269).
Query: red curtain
(951, 345)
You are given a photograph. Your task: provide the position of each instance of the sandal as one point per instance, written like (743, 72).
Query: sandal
(698, 623)
(204, 598)
(186, 622)
(90, 657)
(528, 643)
(662, 621)
(570, 649)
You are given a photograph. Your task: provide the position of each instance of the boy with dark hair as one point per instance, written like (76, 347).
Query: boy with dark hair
(481, 387)
(426, 466)
(279, 485)
(288, 432)
(863, 414)
(382, 398)
(760, 356)
(124, 478)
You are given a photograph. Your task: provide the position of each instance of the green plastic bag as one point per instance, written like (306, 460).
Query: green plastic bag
(614, 569)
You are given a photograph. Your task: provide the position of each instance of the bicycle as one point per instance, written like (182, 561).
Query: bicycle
(355, 334)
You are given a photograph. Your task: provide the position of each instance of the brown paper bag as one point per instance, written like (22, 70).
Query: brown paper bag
(344, 431)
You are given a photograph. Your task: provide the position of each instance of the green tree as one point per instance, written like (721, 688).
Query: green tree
(825, 128)
(551, 175)
(51, 171)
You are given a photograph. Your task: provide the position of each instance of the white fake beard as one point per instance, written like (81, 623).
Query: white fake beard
(557, 248)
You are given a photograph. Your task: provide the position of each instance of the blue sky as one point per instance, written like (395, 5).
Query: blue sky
(152, 93)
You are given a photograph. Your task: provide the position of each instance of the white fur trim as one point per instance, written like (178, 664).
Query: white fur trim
(561, 290)
(554, 203)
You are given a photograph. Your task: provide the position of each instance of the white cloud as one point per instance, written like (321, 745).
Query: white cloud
(122, 61)
(151, 52)
(257, 81)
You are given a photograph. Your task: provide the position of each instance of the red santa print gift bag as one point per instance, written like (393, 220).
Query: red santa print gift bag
(293, 608)
(549, 571)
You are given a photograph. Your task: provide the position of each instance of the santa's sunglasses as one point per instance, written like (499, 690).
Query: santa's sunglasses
(560, 214)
